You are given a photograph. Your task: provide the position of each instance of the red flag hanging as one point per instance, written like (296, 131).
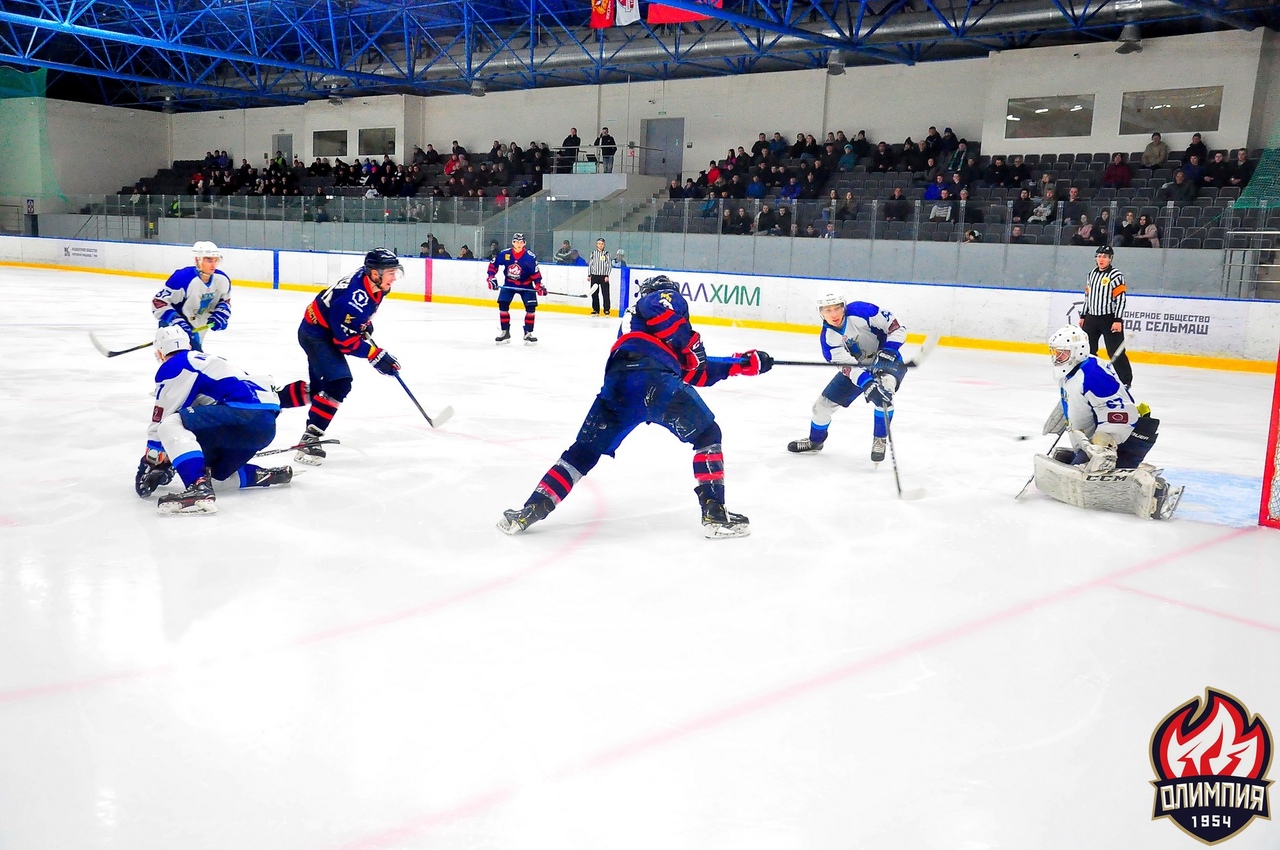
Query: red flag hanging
(601, 13)
(659, 14)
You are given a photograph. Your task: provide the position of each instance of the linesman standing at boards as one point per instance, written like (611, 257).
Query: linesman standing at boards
(1103, 314)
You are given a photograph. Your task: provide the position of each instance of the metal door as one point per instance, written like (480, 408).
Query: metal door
(663, 143)
(282, 142)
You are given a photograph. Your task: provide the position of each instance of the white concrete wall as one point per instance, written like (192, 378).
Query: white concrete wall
(100, 149)
(1241, 330)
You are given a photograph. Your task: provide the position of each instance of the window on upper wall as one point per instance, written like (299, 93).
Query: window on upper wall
(378, 141)
(1049, 117)
(1195, 110)
(329, 143)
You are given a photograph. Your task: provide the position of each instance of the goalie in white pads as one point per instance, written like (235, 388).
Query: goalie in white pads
(196, 297)
(208, 421)
(1110, 435)
(857, 336)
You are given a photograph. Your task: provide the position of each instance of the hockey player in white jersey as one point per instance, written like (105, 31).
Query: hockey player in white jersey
(859, 337)
(196, 297)
(208, 421)
(1110, 434)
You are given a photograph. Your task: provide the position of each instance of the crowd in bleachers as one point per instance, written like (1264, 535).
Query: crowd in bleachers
(943, 188)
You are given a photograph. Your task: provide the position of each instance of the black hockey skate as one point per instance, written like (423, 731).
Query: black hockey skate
(530, 339)
(517, 520)
(718, 522)
(503, 338)
(272, 477)
(196, 499)
(804, 446)
(877, 449)
(309, 450)
(1167, 499)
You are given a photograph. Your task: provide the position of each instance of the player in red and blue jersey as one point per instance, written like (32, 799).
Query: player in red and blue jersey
(653, 368)
(339, 324)
(521, 276)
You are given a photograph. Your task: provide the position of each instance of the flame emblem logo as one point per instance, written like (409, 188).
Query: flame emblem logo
(1211, 760)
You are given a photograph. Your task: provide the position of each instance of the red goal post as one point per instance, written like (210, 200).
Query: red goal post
(1269, 511)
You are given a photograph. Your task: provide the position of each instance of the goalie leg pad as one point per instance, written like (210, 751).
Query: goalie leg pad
(1129, 491)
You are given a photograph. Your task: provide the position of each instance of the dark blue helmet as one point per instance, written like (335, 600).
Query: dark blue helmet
(660, 283)
(381, 258)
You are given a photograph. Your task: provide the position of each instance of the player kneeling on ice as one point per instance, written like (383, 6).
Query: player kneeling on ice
(861, 336)
(336, 325)
(650, 376)
(1111, 435)
(209, 420)
(196, 297)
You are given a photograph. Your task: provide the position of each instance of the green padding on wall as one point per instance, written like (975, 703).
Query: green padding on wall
(26, 169)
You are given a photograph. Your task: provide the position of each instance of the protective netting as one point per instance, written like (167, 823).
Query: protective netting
(26, 169)
(1263, 191)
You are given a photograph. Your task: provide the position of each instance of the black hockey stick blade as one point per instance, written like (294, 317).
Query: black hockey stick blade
(106, 352)
(294, 448)
(441, 417)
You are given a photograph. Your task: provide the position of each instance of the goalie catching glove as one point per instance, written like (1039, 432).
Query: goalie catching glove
(154, 470)
(1101, 450)
(383, 361)
(751, 362)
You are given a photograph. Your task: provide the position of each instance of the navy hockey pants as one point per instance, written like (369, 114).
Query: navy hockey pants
(229, 436)
(327, 367)
(506, 295)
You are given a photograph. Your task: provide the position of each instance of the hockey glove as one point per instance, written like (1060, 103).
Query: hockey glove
(153, 470)
(383, 361)
(493, 283)
(540, 289)
(752, 362)
(220, 317)
(296, 394)
(185, 325)
(694, 354)
(886, 360)
(366, 330)
(878, 394)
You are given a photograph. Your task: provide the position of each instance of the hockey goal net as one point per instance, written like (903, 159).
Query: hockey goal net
(1269, 513)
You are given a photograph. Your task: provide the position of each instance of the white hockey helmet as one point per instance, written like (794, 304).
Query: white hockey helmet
(1068, 347)
(171, 339)
(830, 300)
(206, 249)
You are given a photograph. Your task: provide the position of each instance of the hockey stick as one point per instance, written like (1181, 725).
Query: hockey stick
(106, 352)
(919, 357)
(295, 448)
(441, 417)
(909, 495)
(926, 348)
(1033, 475)
(566, 294)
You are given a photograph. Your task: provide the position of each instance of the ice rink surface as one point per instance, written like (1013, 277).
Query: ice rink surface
(360, 660)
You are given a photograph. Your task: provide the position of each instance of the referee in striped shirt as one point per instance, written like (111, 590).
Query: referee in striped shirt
(1103, 314)
(598, 267)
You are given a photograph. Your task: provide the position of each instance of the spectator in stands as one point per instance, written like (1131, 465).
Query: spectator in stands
(949, 142)
(575, 259)
(913, 158)
(830, 159)
(959, 157)
(777, 147)
(1016, 236)
(848, 209)
(691, 189)
(797, 147)
(971, 212)
(1074, 206)
(1181, 191)
(742, 221)
(972, 236)
(1148, 235)
(1084, 234)
(810, 232)
(1118, 175)
(931, 171)
(562, 256)
(766, 221)
(1196, 148)
(1127, 230)
(493, 249)
(1046, 210)
(674, 191)
(786, 221)
(1242, 170)
(957, 183)
(1218, 172)
(728, 226)
(736, 188)
(791, 191)
(811, 189)
(1156, 153)
(830, 231)
(297, 163)
(441, 253)
(760, 150)
(426, 249)
(848, 160)
(457, 149)
(998, 173)
(464, 253)
(1194, 169)
(934, 190)
(932, 142)
(883, 160)
(608, 148)
(1019, 172)
(944, 209)
(709, 206)
(1102, 227)
(898, 206)
(568, 153)
(812, 150)
(432, 156)
(756, 189)
(861, 146)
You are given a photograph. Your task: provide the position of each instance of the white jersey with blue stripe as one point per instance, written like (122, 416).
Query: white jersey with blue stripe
(869, 327)
(1093, 399)
(192, 378)
(186, 295)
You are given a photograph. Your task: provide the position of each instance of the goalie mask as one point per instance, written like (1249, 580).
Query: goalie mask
(660, 283)
(1068, 347)
(171, 339)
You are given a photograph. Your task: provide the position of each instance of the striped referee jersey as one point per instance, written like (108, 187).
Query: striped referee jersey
(1104, 293)
(599, 264)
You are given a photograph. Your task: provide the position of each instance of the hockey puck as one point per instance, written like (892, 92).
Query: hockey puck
(1023, 437)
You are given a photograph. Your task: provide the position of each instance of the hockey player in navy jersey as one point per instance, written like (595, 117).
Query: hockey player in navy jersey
(521, 276)
(1110, 433)
(196, 297)
(208, 421)
(650, 376)
(862, 337)
(339, 324)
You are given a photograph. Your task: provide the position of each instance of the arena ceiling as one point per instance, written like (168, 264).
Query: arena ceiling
(222, 54)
